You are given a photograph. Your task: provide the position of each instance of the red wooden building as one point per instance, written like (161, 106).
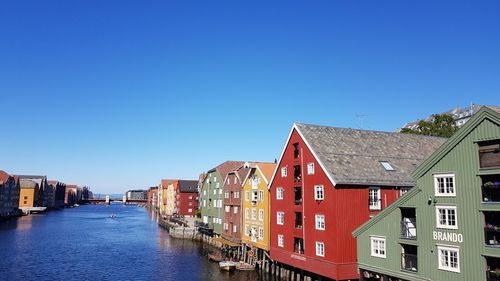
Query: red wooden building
(186, 198)
(327, 183)
(233, 189)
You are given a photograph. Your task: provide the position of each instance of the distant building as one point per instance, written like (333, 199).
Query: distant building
(153, 197)
(460, 115)
(186, 198)
(60, 192)
(9, 195)
(137, 194)
(44, 195)
(71, 195)
(29, 195)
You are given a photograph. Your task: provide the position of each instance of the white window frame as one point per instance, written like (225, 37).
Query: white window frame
(437, 193)
(254, 214)
(190, 210)
(283, 172)
(378, 202)
(320, 249)
(377, 245)
(226, 226)
(235, 180)
(319, 192)
(235, 209)
(279, 193)
(228, 208)
(247, 213)
(447, 219)
(319, 222)
(281, 241)
(246, 230)
(261, 233)
(446, 250)
(236, 194)
(247, 195)
(280, 218)
(235, 228)
(310, 168)
(226, 195)
(261, 214)
(261, 195)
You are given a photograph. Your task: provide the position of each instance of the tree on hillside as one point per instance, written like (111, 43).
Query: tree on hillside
(440, 125)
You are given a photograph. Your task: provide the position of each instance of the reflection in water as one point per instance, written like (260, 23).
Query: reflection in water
(86, 244)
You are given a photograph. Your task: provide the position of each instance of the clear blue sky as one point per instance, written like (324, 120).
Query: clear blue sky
(119, 94)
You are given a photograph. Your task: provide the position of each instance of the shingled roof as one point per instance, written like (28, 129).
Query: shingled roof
(226, 167)
(354, 156)
(188, 185)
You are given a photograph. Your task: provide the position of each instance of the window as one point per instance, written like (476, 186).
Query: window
(261, 195)
(228, 209)
(235, 209)
(220, 191)
(261, 233)
(204, 203)
(378, 247)
(190, 210)
(261, 214)
(387, 166)
(446, 217)
(225, 226)
(189, 203)
(320, 249)
(489, 154)
(320, 222)
(236, 194)
(280, 218)
(235, 228)
(190, 197)
(319, 192)
(247, 195)
(281, 240)
(310, 169)
(403, 190)
(254, 195)
(444, 185)
(246, 229)
(226, 195)
(283, 172)
(254, 214)
(235, 180)
(374, 198)
(296, 150)
(215, 191)
(279, 193)
(247, 213)
(204, 192)
(448, 258)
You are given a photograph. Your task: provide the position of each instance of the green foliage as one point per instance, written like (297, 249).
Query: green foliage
(441, 125)
(198, 213)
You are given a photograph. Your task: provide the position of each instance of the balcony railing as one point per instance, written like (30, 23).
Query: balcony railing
(409, 262)
(492, 235)
(492, 275)
(409, 228)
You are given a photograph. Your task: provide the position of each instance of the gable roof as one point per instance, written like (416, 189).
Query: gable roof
(226, 167)
(3, 177)
(266, 170)
(484, 113)
(28, 183)
(188, 185)
(352, 156)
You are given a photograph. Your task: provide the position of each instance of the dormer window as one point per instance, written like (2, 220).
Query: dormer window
(387, 166)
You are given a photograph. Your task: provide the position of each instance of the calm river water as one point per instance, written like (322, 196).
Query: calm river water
(84, 243)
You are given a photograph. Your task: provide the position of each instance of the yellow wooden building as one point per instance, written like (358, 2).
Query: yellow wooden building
(255, 206)
(28, 195)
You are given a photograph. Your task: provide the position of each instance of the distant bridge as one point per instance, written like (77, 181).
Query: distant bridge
(103, 201)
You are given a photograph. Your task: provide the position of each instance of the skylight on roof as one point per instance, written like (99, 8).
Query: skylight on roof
(387, 166)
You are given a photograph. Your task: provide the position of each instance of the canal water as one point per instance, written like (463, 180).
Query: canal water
(85, 243)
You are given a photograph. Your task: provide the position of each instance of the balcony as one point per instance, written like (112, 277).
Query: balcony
(489, 154)
(408, 223)
(298, 220)
(409, 258)
(492, 229)
(298, 245)
(492, 269)
(491, 188)
(296, 150)
(297, 173)
(297, 191)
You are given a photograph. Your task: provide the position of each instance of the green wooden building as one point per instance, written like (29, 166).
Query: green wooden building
(448, 226)
(211, 197)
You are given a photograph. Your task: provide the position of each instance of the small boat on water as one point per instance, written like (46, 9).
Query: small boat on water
(227, 265)
(214, 257)
(113, 216)
(244, 266)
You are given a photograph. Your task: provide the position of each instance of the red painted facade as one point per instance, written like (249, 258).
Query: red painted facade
(344, 208)
(233, 189)
(186, 203)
